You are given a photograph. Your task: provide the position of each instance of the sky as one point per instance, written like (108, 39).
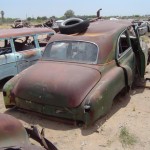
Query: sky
(34, 8)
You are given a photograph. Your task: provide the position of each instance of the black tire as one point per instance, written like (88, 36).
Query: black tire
(73, 25)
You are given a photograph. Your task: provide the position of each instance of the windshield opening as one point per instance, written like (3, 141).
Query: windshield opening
(71, 51)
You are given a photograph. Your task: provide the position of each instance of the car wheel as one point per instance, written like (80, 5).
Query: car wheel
(73, 25)
(124, 91)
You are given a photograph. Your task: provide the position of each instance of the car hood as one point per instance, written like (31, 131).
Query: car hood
(57, 84)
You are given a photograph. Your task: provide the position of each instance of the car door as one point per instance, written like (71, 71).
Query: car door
(140, 49)
(7, 59)
(126, 58)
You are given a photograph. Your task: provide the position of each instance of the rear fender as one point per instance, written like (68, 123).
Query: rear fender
(101, 97)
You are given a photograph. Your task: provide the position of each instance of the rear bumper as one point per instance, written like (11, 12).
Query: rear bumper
(75, 115)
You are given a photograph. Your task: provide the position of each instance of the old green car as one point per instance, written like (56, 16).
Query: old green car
(81, 73)
(20, 48)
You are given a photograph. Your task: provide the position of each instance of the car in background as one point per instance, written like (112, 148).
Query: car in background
(142, 27)
(14, 136)
(20, 23)
(56, 25)
(80, 74)
(148, 25)
(20, 48)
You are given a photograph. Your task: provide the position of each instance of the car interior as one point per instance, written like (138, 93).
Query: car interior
(24, 43)
(5, 47)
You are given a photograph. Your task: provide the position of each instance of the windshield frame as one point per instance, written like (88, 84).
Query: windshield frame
(69, 61)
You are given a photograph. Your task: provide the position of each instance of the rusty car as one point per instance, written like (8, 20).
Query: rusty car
(80, 74)
(142, 26)
(14, 136)
(18, 23)
(20, 48)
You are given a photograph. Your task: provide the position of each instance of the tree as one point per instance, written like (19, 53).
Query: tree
(29, 18)
(2, 15)
(137, 16)
(44, 18)
(69, 13)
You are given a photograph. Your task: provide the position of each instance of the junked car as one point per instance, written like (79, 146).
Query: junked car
(80, 74)
(20, 48)
(148, 25)
(14, 136)
(20, 23)
(142, 27)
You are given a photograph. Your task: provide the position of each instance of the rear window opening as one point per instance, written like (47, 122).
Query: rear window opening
(71, 51)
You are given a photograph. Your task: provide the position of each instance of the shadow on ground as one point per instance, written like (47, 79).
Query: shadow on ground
(41, 120)
(36, 119)
(119, 102)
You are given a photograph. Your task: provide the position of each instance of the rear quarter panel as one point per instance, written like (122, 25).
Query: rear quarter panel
(101, 97)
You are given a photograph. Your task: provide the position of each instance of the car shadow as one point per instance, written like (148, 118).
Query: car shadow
(118, 103)
(47, 122)
(32, 118)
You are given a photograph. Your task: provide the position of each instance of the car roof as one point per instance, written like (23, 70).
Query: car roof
(102, 33)
(8, 33)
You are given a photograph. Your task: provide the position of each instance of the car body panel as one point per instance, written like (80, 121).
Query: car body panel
(13, 135)
(11, 132)
(92, 87)
(64, 86)
(142, 26)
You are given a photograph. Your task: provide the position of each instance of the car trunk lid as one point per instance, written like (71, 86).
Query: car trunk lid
(57, 84)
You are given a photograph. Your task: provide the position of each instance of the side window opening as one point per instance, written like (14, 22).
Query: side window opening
(5, 47)
(24, 43)
(124, 43)
(133, 39)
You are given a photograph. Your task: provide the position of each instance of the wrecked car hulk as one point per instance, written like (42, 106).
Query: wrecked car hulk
(13, 136)
(80, 74)
(20, 48)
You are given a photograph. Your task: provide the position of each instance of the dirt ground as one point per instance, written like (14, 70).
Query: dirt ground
(131, 112)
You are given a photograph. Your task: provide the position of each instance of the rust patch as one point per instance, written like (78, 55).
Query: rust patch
(29, 53)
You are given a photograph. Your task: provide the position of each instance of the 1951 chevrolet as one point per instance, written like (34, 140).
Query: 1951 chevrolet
(81, 73)
(20, 48)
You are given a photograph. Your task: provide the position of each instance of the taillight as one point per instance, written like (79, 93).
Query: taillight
(12, 97)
